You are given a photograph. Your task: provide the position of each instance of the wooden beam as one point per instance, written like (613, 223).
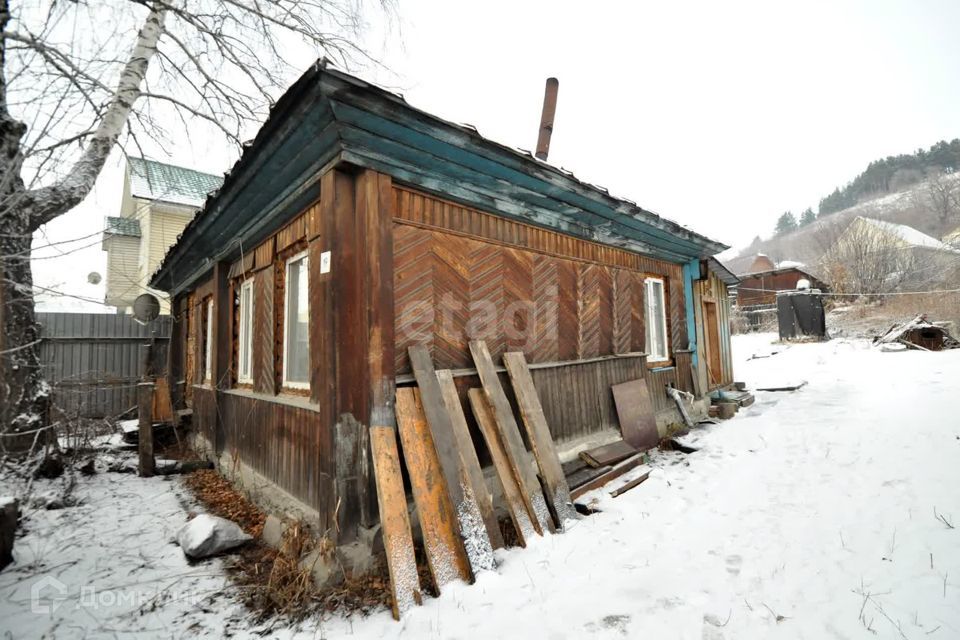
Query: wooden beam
(614, 473)
(468, 457)
(438, 522)
(472, 529)
(538, 434)
(145, 429)
(516, 505)
(395, 521)
(510, 436)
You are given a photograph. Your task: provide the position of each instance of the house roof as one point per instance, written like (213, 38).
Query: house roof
(152, 180)
(912, 237)
(772, 272)
(952, 238)
(740, 264)
(122, 227)
(328, 116)
(726, 276)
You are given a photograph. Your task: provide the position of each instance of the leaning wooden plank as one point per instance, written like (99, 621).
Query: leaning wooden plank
(468, 457)
(471, 524)
(438, 522)
(538, 433)
(631, 484)
(508, 479)
(617, 471)
(638, 422)
(608, 454)
(512, 442)
(394, 521)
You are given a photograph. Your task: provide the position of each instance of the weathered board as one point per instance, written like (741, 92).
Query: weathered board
(438, 521)
(472, 528)
(614, 473)
(608, 454)
(394, 521)
(582, 476)
(516, 505)
(468, 457)
(512, 442)
(619, 491)
(638, 423)
(538, 433)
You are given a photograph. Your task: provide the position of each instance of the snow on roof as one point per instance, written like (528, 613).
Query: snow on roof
(790, 264)
(909, 235)
(123, 227)
(152, 180)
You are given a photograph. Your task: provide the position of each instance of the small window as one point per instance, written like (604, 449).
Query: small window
(656, 320)
(208, 346)
(245, 345)
(296, 313)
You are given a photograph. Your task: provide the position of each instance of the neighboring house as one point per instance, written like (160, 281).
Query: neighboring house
(761, 278)
(158, 201)
(873, 256)
(952, 239)
(355, 226)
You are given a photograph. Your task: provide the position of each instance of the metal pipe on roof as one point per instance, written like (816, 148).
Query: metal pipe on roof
(546, 118)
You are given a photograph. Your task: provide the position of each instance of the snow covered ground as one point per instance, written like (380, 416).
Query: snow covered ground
(809, 515)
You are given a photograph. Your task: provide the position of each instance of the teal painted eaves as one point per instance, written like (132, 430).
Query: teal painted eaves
(328, 116)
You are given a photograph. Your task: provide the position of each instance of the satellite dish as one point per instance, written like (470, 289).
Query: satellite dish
(146, 308)
(93, 277)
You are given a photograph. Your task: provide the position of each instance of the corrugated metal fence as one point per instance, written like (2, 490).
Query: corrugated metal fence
(93, 360)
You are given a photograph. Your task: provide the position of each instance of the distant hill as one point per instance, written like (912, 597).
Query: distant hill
(914, 206)
(892, 174)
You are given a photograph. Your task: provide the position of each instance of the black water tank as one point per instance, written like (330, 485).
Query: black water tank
(800, 314)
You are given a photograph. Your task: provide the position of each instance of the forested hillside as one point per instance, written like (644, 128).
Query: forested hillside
(893, 173)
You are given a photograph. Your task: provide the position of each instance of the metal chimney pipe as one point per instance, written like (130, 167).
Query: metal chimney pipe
(546, 119)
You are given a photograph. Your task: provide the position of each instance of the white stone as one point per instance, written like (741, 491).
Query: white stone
(207, 535)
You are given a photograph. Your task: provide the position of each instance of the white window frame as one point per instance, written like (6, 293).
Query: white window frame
(245, 339)
(648, 287)
(208, 346)
(292, 384)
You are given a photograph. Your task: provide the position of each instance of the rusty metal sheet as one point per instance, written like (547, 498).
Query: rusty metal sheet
(638, 423)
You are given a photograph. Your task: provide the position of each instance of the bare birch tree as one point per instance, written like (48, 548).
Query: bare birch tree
(81, 76)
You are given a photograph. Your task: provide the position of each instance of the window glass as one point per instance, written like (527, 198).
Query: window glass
(656, 320)
(208, 345)
(296, 352)
(245, 346)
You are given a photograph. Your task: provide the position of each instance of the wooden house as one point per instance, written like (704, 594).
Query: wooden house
(355, 226)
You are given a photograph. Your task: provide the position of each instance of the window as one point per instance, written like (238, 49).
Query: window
(296, 340)
(245, 344)
(655, 318)
(208, 346)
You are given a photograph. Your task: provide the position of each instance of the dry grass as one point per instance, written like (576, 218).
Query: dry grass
(222, 499)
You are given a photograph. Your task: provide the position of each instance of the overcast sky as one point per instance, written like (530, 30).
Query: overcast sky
(719, 116)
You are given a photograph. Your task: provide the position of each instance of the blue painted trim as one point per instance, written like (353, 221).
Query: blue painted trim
(689, 270)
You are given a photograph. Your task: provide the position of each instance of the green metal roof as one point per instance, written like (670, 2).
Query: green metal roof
(329, 116)
(152, 180)
(122, 227)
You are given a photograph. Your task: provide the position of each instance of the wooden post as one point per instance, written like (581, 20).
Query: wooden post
(145, 439)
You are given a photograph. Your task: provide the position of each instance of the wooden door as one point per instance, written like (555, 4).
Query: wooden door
(712, 328)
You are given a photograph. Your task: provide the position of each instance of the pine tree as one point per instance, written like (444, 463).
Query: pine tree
(786, 223)
(807, 217)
